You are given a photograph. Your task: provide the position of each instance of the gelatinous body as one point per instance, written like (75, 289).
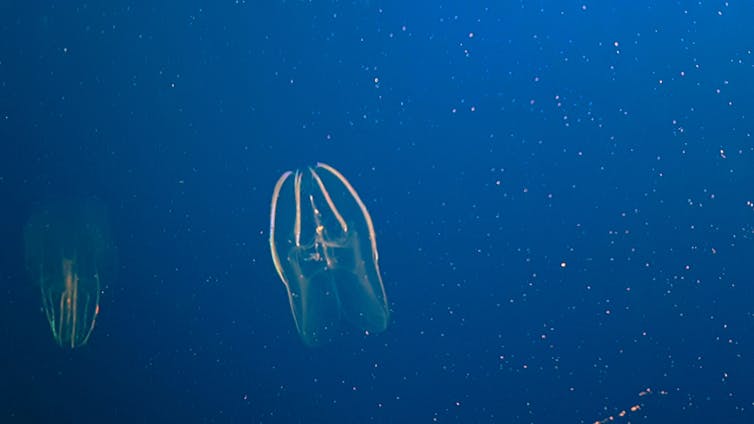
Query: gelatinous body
(68, 251)
(324, 249)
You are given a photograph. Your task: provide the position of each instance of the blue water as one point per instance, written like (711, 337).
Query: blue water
(562, 195)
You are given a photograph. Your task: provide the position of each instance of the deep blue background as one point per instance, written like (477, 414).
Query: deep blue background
(491, 141)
